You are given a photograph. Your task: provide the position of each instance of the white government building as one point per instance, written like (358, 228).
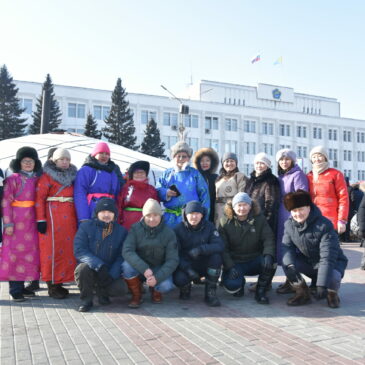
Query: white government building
(228, 117)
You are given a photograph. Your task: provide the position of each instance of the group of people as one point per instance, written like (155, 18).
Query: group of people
(110, 233)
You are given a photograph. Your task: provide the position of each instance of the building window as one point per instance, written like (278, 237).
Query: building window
(332, 134)
(249, 148)
(169, 141)
(347, 155)
(360, 137)
(231, 124)
(282, 146)
(333, 154)
(317, 133)
(284, 130)
(170, 119)
(360, 156)
(147, 115)
(191, 121)
(361, 174)
(301, 132)
(247, 169)
(348, 173)
(101, 112)
(249, 126)
(213, 143)
(76, 110)
(27, 104)
(230, 146)
(302, 151)
(268, 148)
(193, 143)
(347, 136)
(268, 128)
(211, 123)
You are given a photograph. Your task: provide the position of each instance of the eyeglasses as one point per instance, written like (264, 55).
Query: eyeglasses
(28, 162)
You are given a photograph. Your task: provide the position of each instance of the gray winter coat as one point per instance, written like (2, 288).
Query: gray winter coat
(318, 242)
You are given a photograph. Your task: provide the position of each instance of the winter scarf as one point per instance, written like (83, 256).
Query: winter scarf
(319, 168)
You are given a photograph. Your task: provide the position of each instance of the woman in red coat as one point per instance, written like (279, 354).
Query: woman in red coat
(56, 222)
(328, 190)
(134, 194)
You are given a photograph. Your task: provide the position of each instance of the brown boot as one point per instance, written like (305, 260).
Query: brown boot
(134, 286)
(302, 294)
(332, 299)
(156, 296)
(285, 288)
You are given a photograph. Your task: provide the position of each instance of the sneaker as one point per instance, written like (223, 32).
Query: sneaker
(28, 293)
(18, 297)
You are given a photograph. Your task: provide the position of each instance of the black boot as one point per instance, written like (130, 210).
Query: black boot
(33, 285)
(263, 282)
(211, 287)
(185, 292)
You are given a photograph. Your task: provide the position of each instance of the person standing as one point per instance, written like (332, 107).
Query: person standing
(206, 161)
(57, 222)
(19, 259)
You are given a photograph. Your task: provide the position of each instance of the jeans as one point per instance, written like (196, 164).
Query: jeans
(200, 265)
(16, 287)
(130, 272)
(250, 268)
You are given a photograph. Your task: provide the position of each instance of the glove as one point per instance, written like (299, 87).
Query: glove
(321, 292)
(193, 275)
(195, 252)
(103, 276)
(42, 227)
(268, 262)
(233, 274)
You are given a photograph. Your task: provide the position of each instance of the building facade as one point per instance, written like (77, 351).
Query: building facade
(227, 117)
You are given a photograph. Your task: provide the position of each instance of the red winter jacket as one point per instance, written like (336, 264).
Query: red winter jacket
(330, 195)
(133, 195)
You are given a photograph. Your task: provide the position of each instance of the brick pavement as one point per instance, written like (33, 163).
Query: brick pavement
(48, 331)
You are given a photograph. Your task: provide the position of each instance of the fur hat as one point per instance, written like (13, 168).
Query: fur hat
(23, 152)
(61, 153)
(106, 204)
(181, 146)
(100, 147)
(318, 149)
(241, 198)
(138, 165)
(194, 206)
(229, 155)
(298, 199)
(263, 157)
(286, 152)
(209, 152)
(151, 206)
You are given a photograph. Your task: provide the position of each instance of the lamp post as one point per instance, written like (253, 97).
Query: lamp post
(183, 110)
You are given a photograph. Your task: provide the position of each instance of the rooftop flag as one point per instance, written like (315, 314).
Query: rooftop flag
(257, 58)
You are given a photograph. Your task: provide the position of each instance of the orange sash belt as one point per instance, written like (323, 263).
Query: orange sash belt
(23, 203)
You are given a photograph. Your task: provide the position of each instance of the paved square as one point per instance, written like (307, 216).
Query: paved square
(43, 330)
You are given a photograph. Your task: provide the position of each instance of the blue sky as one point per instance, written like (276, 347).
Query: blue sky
(152, 42)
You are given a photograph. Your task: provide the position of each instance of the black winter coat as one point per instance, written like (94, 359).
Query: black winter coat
(318, 242)
(265, 189)
(204, 236)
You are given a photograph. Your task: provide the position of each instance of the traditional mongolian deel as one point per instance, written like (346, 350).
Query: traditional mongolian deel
(20, 251)
(54, 204)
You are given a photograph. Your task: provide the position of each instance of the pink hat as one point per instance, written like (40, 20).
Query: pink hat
(100, 147)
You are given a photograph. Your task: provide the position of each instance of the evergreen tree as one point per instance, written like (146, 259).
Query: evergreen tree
(119, 127)
(11, 124)
(91, 127)
(55, 112)
(151, 144)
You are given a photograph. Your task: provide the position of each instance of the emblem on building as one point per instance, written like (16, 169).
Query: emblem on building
(276, 94)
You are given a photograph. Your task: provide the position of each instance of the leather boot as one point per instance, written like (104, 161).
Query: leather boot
(263, 282)
(285, 288)
(54, 291)
(211, 287)
(302, 294)
(185, 292)
(156, 296)
(33, 285)
(332, 299)
(134, 286)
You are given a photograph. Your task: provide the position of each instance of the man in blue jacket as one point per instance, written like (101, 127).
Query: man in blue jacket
(98, 249)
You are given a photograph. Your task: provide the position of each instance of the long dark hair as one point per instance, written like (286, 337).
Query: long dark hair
(282, 172)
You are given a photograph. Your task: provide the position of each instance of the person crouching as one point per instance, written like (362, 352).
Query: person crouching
(98, 249)
(311, 247)
(249, 247)
(151, 255)
(200, 251)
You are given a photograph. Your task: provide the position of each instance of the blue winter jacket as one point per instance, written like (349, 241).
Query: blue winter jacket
(190, 184)
(91, 249)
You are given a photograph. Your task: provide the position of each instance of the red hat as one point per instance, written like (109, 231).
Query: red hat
(100, 147)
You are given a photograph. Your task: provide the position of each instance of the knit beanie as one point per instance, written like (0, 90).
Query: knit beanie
(241, 198)
(50, 152)
(194, 206)
(151, 206)
(298, 199)
(286, 152)
(61, 153)
(100, 147)
(181, 146)
(106, 204)
(263, 157)
(229, 155)
(318, 149)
